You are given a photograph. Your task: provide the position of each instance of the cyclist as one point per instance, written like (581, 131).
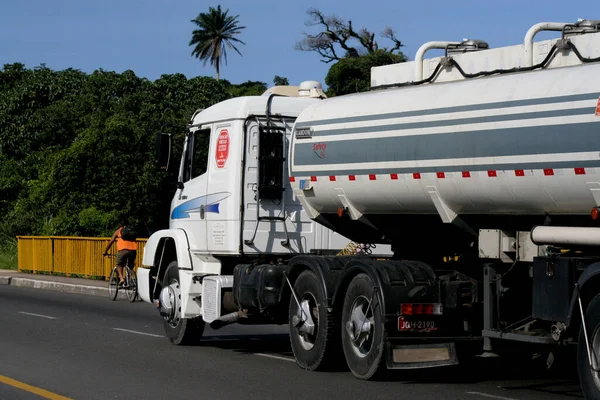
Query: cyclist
(126, 252)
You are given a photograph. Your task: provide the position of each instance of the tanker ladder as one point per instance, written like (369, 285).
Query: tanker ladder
(272, 153)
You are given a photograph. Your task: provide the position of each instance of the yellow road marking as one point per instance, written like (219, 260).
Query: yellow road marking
(32, 389)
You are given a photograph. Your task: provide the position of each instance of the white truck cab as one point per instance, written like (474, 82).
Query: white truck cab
(233, 201)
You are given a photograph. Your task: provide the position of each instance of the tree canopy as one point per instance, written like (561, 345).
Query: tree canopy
(77, 149)
(351, 75)
(216, 33)
(280, 81)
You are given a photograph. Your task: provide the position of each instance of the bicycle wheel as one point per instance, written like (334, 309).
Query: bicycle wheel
(131, 284)
(113, 284)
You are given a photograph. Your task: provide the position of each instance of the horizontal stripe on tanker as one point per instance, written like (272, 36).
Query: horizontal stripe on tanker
(571, 138)
(453, 109)
(459, 121)
(450, 168)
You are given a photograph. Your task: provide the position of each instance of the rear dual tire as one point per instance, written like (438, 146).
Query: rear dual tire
(363, 332)
(322, 349)
(319, 350)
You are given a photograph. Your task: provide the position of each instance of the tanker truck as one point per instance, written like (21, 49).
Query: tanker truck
(451, 210)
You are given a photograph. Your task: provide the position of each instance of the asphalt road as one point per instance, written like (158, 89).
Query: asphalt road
(87, 347)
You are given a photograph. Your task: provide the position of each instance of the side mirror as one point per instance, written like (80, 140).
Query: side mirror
(163, 150)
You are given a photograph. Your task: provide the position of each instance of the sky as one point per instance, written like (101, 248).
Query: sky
(151, 37)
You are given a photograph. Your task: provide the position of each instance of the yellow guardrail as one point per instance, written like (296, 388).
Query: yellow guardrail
(69, 256)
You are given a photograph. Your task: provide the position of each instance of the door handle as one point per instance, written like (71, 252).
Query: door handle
(202, 212)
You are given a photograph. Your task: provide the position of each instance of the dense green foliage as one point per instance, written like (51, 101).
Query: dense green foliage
(77, 149)
(280, 81)
(353, 74)
(248, 88)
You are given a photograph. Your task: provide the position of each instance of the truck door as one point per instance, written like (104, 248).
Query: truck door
(223, 191)
(189, 202)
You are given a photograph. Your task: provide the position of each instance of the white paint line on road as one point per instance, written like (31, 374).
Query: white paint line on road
(37, 315)
(491, 396)
(275, 357)
(139, 333)
(40, 284)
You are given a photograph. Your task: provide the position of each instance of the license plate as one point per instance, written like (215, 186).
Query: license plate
(416, 325)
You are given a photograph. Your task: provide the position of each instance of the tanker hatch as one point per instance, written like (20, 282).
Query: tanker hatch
(582, 26)
(311, 89)
(467, 46)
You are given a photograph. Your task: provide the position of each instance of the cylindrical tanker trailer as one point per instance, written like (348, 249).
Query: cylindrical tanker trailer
(468, 185)
(508, 151)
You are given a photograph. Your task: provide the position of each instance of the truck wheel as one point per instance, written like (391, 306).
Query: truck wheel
(179, 331)
(312, 328)
(589, 378)
(363, 331)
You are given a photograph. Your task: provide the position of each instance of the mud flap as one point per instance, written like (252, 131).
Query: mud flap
(420, 356)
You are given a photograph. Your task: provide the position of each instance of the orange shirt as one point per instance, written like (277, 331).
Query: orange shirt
(125, 244)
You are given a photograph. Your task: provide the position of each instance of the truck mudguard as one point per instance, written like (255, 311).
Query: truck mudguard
(156, 241)
(327, 270)
(355, 266)
(396, 280)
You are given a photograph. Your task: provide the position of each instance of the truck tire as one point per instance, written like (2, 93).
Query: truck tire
(180, 331)
(363, 348)
(320, 349)
(590, 380)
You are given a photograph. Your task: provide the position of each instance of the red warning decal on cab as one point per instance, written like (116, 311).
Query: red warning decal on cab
(222, 148)
(598, 108)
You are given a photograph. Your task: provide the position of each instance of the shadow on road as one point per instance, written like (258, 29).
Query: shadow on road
(509, 374)
(505, 373)
(278, 344)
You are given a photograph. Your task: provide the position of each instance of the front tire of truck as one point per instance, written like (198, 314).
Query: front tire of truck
(363, 331)
(589, 377)
(313, 330)
(179, 331)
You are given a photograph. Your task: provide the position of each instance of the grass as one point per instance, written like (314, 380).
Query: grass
(8, 253)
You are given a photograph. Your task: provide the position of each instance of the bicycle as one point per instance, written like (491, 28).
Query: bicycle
(130, 285)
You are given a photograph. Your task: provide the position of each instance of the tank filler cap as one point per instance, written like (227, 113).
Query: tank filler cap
(468, 45)
(588, 23)
(582, 26)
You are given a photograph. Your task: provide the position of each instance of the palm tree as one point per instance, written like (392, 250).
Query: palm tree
(216, 33)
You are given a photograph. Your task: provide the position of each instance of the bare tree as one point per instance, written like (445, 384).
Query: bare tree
(339, 39)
